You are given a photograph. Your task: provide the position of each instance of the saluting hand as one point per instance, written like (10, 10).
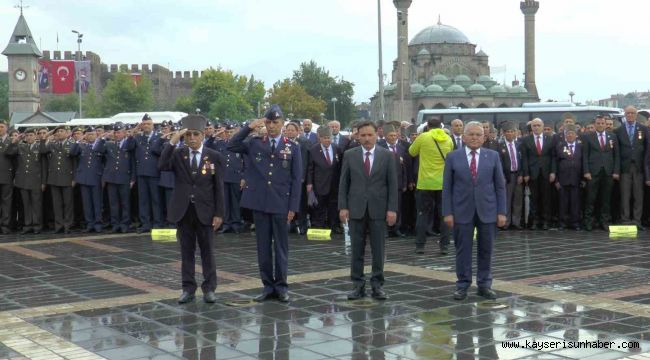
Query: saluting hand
(257, 123)
(177, 137)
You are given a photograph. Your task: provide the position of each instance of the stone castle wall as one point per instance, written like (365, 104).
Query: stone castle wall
(168, 85)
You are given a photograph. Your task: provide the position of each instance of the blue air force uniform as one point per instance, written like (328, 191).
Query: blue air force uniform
(272, 190)
(119, 172)
(232, 177)
(146, 161)
(167, 179)
(88, 175)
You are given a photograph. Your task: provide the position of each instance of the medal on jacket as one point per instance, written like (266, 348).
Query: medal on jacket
(611, 144)
(258, 157)
(640, 135)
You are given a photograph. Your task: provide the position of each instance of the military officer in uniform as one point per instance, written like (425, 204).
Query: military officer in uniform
(6, 179)
(146, 161)
(166, 183)
(60, 173)
(30, 180)
(118, 175)
(198, 203)
(272, 191)
(88, 176)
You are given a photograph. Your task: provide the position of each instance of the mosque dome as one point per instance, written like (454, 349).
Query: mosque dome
(518, 90)
(434, 88)
(476, 87)
(417, 88)
(439, 34)
(498, 89)
(455, 88)
(463, 80)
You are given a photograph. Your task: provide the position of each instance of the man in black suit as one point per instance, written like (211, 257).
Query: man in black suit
(489, 142)
(457, 133)
(323, 171)
(568, 170)
(633, 140)
(510, 153)
(403, 165)
(537, 155)
(368, 200)
(198, 203)
(601, 166)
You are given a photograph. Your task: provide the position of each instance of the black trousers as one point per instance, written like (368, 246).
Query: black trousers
(540, 196)
(63, 208)
(232, 195)
(190, 232)
(600, 185)
(570, 205)
(324, 214)
(427, 202)
(358, 230)
(6, 198)
(33, 207)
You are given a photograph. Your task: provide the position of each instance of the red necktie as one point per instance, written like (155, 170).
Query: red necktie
(366, 164)
(602, 142)
(539, 146)
(472, 166)
(327, 156)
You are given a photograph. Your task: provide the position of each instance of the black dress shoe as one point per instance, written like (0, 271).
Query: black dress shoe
(115, 230)
(6, 231)
(210, 297)
(444, 250)
(561, 228)
(264, 297)
(460, 294)
(640, 228)
(419, 250)
(358, 293)
(486, 293)
(337, 230)
(588, 227)
(186, 297)
(36, 232)
(516, 227)
(399, 234)
(283, 297)
(86, 230)
(25, 231)
(378, 293)
(66, 231)
(544, 227)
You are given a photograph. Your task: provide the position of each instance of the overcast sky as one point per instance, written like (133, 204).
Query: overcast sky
(592, 47)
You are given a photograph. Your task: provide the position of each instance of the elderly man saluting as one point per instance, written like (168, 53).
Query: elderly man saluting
(198, 203)
(473, 196)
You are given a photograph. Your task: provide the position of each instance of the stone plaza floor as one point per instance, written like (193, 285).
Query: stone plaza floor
(113, 297)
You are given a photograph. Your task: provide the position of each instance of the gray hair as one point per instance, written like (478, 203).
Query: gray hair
(473, 124)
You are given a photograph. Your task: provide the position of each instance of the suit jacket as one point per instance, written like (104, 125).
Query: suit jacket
(453, 140)
(594, 158)
(504, 154)
(166, 177)
(6, 163)
(89, 167)
(533, 163)
(273, 180)
(491, 144)
(343, 142)
(30, 166)
(205, 187)
(632, 152)
(60, 165)
(146, 160)
(119, 167)
(359, 192)
(567, 165)
(311, 137)
(462, 198)
(323, 176)
(402, 164)
(305, 145)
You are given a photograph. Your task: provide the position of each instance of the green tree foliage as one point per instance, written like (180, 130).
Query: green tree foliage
(68, 102)
(318, 83)
(185, 104)
(223, 94)
(122, 94)
(92, 108)
(4, 96)
(293, 98)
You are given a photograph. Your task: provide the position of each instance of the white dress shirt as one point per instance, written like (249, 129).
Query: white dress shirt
(372, 156)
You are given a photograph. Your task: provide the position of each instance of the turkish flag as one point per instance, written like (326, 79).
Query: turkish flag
(62, 77)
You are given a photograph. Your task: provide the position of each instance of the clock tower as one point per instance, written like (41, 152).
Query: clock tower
(22, 55)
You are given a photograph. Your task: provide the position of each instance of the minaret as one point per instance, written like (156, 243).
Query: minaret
(402, 108)
(22, 55)
(529, 8)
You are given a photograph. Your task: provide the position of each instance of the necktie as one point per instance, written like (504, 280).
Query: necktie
(602, 142)
(273, 145)
(366, 164)
(195, 162)
(539, 146)
(513, 158)
(392, 147)
(336, 140)
(458, 143)
(630, 132)
(571, 150)
(327, 156)
(472, 166)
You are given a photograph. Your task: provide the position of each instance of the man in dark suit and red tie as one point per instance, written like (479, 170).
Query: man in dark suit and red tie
(323, 170)
(567, 168)
(368, 200)
(474, 196)
(198, 202)
(510, 153)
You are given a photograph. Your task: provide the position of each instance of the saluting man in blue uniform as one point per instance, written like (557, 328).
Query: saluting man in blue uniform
(89, 176)
(146, 161)
(272, 192)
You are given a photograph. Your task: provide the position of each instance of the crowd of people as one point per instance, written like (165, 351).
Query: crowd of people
(112, 179)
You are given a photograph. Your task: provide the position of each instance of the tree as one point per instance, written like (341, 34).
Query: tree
(319, 84)
(293, 98)
(69, 102)
(122, 94)
(225, 95)
(185, 104)
(92, 108)
(4, 96)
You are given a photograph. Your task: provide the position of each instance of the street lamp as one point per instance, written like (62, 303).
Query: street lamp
(79, 37)
(334, 100)
(571, 94)
(382, 109)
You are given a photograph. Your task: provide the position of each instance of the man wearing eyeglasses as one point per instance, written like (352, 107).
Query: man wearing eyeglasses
(198, 203)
